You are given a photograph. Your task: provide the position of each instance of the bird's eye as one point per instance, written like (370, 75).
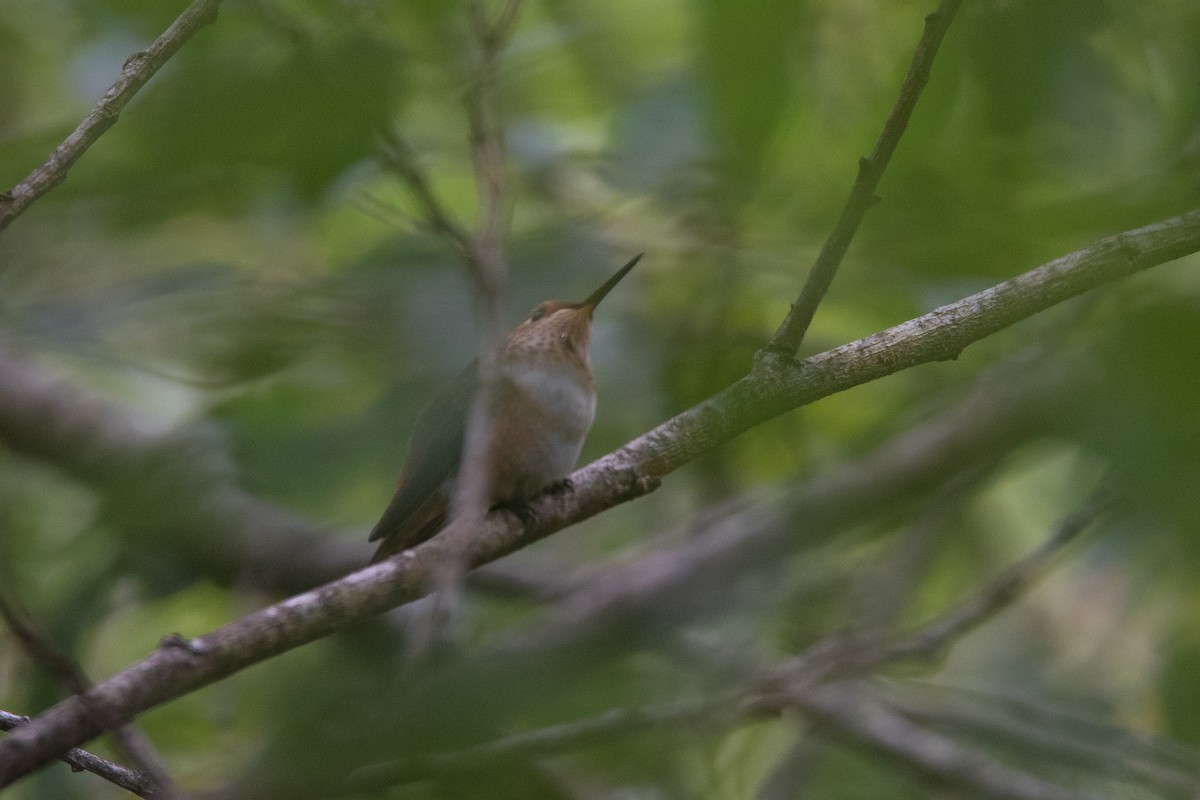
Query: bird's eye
(537, 314)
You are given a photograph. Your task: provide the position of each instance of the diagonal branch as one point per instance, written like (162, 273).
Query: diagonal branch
(42, 650)
(398, 156)
(38, 646)
(1051, 736)
(138, 69)
(843, 654)
(216, 527)
(1004, 589)
(852, 714)
(775, 385)
(696, 577)
(701, 714)
(862, 196)
(81, 760)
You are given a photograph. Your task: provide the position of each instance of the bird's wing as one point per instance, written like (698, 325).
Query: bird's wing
(434, 453)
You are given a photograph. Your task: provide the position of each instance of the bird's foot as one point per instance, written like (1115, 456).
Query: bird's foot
(560, 487)
(524, 511)
(521, 511)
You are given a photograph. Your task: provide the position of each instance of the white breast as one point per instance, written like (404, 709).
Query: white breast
(562, 399)
(544, 430)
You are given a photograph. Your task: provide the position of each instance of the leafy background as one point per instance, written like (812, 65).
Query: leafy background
(231, 260)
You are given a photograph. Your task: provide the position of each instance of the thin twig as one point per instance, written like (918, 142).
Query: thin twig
(790, 334)
(486, 127)
(844, 654)
(128, 779)
(1051, 736)
(42, 650)
(472, 492)
(502, 25)
(1004, 589)
(482, 253)
(885, 587)
(708, 714)
(138, 69)
(851, 713)
(398, 156)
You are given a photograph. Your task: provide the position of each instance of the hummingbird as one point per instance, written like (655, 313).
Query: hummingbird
(541, 408)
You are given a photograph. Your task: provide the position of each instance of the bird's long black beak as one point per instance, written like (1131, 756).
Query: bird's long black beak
(598, 295)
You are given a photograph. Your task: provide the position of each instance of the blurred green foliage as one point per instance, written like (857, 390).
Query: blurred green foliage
(232, 259)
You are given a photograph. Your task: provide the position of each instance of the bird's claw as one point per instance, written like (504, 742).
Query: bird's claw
(521, 511)
(560, 487)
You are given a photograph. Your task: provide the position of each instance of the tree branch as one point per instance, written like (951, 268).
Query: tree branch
(488, 156)
(780, 383)
(708, 714)
(216, 528)
(862, 196)
(776, 384)
(1051, 736)
(400, 159)
(488, 265)
(138, 69)
(1004, 589)
(81, 760)
(43, 652)
(39, 648)
(850, 713)
(686, 581)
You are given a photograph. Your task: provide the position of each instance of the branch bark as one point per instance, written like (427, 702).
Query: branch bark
(130, 780)
(775, 384)
(139, 68)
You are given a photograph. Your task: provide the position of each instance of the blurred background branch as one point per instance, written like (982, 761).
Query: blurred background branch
(184, 499)
(803, 682)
